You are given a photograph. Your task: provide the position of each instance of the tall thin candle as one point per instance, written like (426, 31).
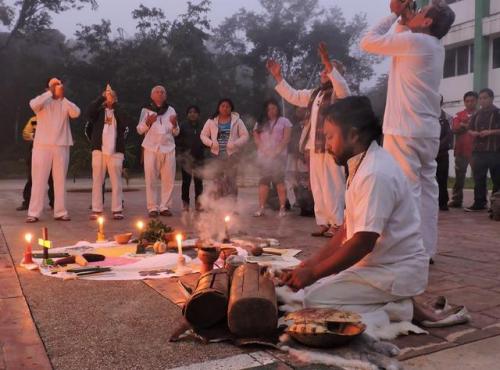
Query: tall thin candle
(178, 237)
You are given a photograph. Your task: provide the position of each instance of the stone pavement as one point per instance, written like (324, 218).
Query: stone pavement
(122, 325)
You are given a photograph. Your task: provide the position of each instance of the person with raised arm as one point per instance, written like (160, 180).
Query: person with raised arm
(327, 178)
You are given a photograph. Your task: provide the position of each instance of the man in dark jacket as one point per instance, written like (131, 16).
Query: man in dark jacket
(443, 158)
(191, 153)
(106, 131)
(484, 126)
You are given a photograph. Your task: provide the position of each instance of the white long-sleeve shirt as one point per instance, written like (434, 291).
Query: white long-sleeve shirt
(301, 98)
(377, 202)
(52, 117)
(160, 136)
(413, 100)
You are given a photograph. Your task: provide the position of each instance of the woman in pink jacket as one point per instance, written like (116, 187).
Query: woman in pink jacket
(225, 134)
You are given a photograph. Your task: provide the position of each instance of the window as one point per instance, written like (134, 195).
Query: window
(459, 61)
(496, 53)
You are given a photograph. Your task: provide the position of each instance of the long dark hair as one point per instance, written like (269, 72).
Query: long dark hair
(223, 100)
(263, 123)
(356, 112)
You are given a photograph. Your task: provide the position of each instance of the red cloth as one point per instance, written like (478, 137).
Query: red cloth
(464, 141)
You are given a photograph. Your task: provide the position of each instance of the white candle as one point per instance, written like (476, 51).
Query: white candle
(178, 237)
(100, 222)
(226, 225)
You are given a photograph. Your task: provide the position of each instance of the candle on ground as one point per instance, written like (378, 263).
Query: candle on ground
(100, 229)
(227, 239)
(28, 256)
(178, 237)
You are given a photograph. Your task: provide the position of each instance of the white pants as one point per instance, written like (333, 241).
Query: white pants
(417, 158)
(113, 163)
(290, 180)
(346, 291)
(328, 189)
(159, 165)
(44, 159)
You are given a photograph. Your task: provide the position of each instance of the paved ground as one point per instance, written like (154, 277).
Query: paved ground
(125, 325)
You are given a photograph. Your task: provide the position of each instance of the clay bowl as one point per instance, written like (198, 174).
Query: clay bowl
(123, 238)
(332, 338)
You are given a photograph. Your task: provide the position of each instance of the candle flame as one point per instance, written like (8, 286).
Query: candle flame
(178, 237)
(140, 225)
(100, 220)
(28, 237)
(227, 219)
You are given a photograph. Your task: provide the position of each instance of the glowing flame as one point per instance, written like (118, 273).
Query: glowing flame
(140, 225)
(178, 237)
(100, 220)
(227, 219)
(28, 237)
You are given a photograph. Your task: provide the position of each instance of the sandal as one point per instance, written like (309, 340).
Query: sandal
(118, 216)
(95, 215)
(166, 213)
(153, 214)
(63, 218)
(259, 213)
(31, 219)
(323, 229)
(454, 316)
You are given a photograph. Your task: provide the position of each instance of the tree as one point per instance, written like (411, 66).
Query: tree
(34, 16)
(290, 31)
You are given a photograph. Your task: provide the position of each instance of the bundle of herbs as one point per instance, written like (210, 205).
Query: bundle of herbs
(156, 231)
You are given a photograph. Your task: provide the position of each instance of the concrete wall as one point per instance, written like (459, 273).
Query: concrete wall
(491, 25)
(494, 6)
(453, 88)
(464, 11)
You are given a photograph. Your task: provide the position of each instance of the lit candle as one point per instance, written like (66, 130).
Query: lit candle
(140, 227)
(226, 228)
(141, 248)
(28, 256)
(100, 229)
(178, 237)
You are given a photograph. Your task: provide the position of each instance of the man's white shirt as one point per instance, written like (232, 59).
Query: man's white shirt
(160, 136)
(109, 133)
(379, 200)
(52, 117)
(413, 100)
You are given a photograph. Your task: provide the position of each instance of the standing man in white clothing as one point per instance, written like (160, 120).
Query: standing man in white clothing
(106, 129)
(411, 121)
(327, 178)
(158, 122)
(51, 149)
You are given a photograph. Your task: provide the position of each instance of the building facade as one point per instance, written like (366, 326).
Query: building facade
(472, 51)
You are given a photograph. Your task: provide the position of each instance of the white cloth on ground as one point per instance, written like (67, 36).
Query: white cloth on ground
(113, 164)
(44, 159)
(417, 159)
(159, 165)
